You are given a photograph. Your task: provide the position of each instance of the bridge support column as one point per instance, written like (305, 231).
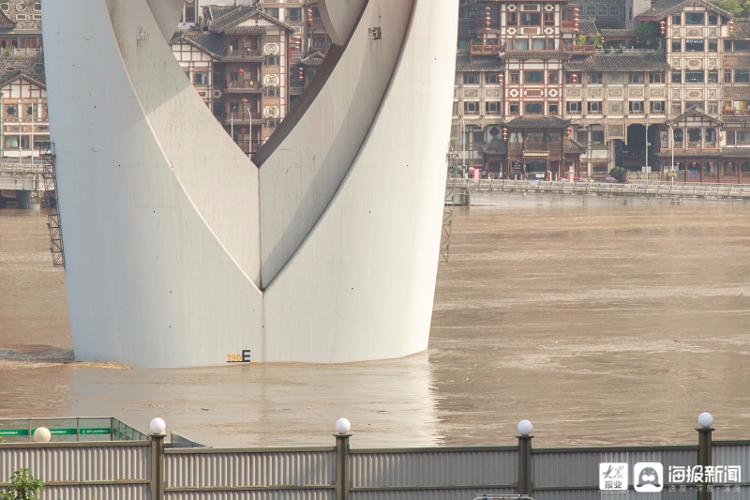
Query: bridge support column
(23, 198)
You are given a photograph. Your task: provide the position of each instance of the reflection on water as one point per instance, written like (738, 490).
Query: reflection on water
(602, 321)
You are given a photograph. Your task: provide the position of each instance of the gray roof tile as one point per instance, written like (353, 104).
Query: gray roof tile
(620, 62)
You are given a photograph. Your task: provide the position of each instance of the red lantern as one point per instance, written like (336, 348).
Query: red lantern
(661, 24)
(505, 134)
(731, 26)
(575, 78)
(500, 78)
(568, 132)
(241, 71)
(244, 100)
(310, 15)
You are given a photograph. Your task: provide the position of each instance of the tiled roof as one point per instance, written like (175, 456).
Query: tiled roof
(694, 112)
(478, 63)
(5, 22)
(537, 54)
(246, 30)
(572, 147)
(537, 122)
(620, 62)
(611, 34)
(735, 152)
(587, 27)
(313, 59)
(241, 14)
(40, 82)
(731, 152)
(496, 147)
(663, 8)
(736, 120)
(219, 11)
(210, 42)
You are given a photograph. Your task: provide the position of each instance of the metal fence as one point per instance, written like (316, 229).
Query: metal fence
(70, 429)
(146, 469)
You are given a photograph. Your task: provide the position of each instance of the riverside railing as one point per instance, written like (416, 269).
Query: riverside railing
(652, 188)
(151, 469)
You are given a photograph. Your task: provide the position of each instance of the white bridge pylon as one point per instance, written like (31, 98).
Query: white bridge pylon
(180, 251)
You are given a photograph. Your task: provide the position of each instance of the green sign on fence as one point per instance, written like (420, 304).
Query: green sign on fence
(57, 432)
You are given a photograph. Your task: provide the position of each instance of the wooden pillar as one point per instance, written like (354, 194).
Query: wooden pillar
(739, 172)
(701, 171)
(718, 173)
(686, 171)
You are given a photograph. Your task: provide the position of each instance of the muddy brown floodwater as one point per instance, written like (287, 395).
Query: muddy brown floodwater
(603, 321)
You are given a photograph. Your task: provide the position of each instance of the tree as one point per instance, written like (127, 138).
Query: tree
(619, 173)
(649, 34)
(22, 486)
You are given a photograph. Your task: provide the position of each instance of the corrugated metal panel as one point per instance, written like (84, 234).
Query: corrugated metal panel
(90, 463)
(257, 495)
(572, 469)
(733, 493)
(303, 468)
(452, 468)
(572, 495)
(114, 492)
(456, 494)
(733, 455)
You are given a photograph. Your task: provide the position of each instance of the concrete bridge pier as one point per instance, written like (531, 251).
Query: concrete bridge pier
(23, 198)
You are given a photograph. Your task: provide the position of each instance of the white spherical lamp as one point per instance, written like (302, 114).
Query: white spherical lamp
(42, 435)
(158, 426)
(343, 425)
(705, 420)
(525, 427)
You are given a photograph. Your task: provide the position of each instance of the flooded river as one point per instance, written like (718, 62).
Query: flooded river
(602, 321)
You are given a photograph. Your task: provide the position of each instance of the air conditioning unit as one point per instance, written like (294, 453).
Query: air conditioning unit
(218, 94)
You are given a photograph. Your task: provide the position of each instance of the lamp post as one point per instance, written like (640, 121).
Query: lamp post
(647, 174)
(671, 168)
(158, 432)
(705, 420)
(343, 472)
(525, 484)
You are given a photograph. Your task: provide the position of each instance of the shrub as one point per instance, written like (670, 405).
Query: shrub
(619, 173)
(22, 486)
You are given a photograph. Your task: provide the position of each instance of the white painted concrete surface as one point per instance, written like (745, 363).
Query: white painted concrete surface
(168, 228)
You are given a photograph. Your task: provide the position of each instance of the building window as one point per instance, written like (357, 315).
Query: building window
(678, 137)
(582, 136)
(552, 77)
(201, 78)
(514, 109)
(234, 76)
(534, 108)
(676, 108)
(694, 76)
(602, 10)
(676, 20)
(694, 135)
(573, 107)
(272, 60)
(595, 78)
(294, 15)
(553, 109)
(713, 108)
(569, 78)
(713, 76)
(630, 13)
(549, 18)
(614, 11)
(539, 44)
(533, 76)
(656, 78)
(595, 107)
(511, 19)
(677, 46)
(471, 78)
(189, 14)
(741, 76)
(692, 45)
(590, 10)
(713, 45)
(694, 18)
(522, 44)
(635, 78)
(10, 110)
(528, 19)
(272, 91)
(636, 107)
(743, 137)
(38, 68)
(455, 109)
(742, 45)
(710, 135)
(597, 137)
(713, 19)
(272, 122)
(727, 45)
(493, 108)
(319, 41)
(471, 108)
(694, 104)
(272, 12)
(490, 78)
(515, 77)
(657, 107)
(727, 76)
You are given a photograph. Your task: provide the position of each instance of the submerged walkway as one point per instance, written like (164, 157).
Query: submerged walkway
(656, 189)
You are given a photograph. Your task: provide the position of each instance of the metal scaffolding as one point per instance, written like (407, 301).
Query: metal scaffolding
(53, 214)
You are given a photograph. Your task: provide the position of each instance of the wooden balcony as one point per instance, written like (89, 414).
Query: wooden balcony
(486, 50)
(736, 112)
(580, 49)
